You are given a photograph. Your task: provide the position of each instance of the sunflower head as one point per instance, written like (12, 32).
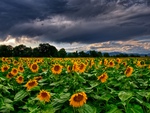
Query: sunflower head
(9, 75)
(68, 68)
(75, 67)
(19, 79)
(118, 60)
(20, 68)
(128, 71)
(14, 71)
(56, 69)
(34, 67)
(15, 62)
(82, 67)
(31, 83)
(103, 77)
(78, 99)
(4, 68)
(44, 96)
(111, 64)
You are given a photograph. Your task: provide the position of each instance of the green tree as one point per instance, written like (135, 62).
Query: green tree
(62, 52)
(6, 50)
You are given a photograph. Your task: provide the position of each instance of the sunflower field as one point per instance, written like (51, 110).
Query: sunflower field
(74, 85)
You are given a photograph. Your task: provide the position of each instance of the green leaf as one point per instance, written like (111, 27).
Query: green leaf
(10, 107)
(135, 109)
(7, 100)
(36, 88)
(20, 95)
(1, 102)
(124, 95)
(87, 109)
(94, 84)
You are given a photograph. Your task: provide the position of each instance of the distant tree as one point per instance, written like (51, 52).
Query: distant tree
(75, 54)
(19, 51)
(83, 54)
(47, 50)
(6, 50)
(35, 52)
(99, 54)
(106, 55)
(93, 53)
(62, 52)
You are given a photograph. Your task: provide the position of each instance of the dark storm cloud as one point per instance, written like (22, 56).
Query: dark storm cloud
(85, 21)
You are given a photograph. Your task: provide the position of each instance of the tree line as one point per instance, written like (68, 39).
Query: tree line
(47, 50)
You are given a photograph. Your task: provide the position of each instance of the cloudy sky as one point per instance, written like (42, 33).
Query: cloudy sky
(76, 25)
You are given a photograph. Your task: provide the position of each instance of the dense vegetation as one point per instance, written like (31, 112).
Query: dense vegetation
(47, 50)
(74, 85)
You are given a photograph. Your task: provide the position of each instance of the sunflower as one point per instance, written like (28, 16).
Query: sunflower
(75, 67)
(118, 60)
(68, 69)
(128, 71)
(103, 77)
(37, 78)
(105, 61)
(15, 62)
(19, 79)
(56, 69)
(31, 83)
(124, 63)
(82, 67)
(9, 75)
(4, 68)
(34, 67)
(111, 64)
(78, 99)
(20, 68)
(14, 71)
(44, 96)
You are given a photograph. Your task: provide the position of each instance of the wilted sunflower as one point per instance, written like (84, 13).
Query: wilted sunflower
(14, 71)
(128, 71)
(34, 67)
(37, 78)
(20, 68)
(4, 68)
(56, 69)
(44, 96)
(82, 67)
(103, 77)
(9, 75)
(31, 83)
(19, 79)
(78, 99)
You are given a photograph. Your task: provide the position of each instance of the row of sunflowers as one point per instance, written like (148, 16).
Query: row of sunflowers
(74, 85)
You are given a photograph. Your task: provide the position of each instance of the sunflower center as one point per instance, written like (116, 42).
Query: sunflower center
(78, 98)
(5, 68)
(128, 70)
(14, 71)
(34, 66)
(111, 63)
(31, 83)
(102, 76)
(20, 78)
(57, 68)
(21, 68)
(81, 66)
(10, 75)
(44, 94)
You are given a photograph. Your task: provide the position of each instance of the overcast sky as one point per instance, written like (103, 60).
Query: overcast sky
(76, 25)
